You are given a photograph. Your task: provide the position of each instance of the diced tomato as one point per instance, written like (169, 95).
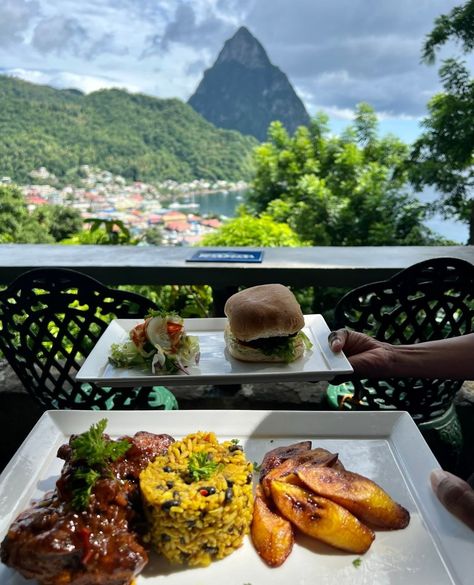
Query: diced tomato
(173, 328)
(174, 331)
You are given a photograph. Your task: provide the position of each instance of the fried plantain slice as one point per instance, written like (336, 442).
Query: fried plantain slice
(286, 471)
(272, 535)
(278, 455)
(321, 518)
(358, 494)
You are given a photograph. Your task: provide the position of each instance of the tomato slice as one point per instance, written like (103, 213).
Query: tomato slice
(173, 328)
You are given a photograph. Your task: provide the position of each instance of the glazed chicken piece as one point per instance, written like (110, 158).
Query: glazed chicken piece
(55, 544)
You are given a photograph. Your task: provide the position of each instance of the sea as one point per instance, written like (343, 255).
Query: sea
(457, 231)
(224, 204)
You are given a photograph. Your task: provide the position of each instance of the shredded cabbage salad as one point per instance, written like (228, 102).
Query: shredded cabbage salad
(161, 343)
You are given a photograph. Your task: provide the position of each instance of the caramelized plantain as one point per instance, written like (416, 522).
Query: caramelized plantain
(272, 535)
(321, 518)
(358, 494)
(286, 471)
(277, 456)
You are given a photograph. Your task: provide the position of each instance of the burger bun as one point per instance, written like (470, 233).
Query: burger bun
(267, 310)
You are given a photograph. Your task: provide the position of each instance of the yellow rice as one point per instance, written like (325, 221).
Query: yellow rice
(197, 521)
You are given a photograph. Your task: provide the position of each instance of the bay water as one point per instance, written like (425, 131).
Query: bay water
(224, 204)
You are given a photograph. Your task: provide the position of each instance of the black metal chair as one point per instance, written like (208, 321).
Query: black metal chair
(430, 300)
(50, 320)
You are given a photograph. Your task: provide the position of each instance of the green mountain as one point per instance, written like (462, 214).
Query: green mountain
(134, 135)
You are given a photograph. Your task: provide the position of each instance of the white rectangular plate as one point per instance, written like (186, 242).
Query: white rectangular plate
(216, 366)
(387, 447)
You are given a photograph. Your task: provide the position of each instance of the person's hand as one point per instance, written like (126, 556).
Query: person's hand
(369, 358)
(455, 494)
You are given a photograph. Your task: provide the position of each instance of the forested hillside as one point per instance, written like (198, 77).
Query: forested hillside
(136, 136)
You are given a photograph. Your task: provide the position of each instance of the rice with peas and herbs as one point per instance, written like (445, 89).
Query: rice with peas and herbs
(198, 499)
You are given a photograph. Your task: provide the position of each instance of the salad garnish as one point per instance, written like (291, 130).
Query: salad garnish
(201, 466)
(160, 342)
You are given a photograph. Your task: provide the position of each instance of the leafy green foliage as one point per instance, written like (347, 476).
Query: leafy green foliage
(153, 236)
(84, 480)
(248, 230)
(458, 25)
(45, 225)
(443, 156)
(133, 135)
(94, 449)
(94, 453)
(111, 232)
(185, 300)
(201, 466)
(59, 221)
(347, 190)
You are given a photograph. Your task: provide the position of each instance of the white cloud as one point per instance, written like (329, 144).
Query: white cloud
(66, 80)
(337, 113)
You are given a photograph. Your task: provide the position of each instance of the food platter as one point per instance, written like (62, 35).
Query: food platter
(216, 366)
(386, 446)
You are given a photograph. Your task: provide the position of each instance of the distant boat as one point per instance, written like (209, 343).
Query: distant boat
(177, 205)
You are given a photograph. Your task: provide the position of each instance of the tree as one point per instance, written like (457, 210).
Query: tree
(153, 236)
(247, 230)
(59, 221)
(12, 211)
(346, 190)
(458, 25)
(443, 155)
(16, 224)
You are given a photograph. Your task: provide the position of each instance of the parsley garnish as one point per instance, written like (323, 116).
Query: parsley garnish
(235, 441)
(201, 466)
(357, 563)
(86, 479)
(256, 466)
(93, 453)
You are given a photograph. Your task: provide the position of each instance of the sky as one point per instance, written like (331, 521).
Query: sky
(336, 53)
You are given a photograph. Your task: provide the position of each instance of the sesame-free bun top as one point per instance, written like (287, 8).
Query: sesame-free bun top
(267, 310)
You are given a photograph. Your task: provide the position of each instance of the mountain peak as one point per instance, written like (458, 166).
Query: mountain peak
(245, 49)
(244, 91)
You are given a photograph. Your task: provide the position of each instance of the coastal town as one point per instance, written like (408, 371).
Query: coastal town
(170, 206)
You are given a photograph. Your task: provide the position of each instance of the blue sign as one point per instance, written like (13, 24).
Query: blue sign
(226, 256)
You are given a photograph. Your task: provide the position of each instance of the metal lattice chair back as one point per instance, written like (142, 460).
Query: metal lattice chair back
(428, 301)
(50, 320)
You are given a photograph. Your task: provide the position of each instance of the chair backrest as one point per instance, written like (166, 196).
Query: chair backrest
(430, 300)
(50, 320)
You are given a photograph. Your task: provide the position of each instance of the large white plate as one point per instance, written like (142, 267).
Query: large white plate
(216, 365)
(435, 548)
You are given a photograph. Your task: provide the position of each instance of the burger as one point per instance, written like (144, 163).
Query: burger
(264, 324)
